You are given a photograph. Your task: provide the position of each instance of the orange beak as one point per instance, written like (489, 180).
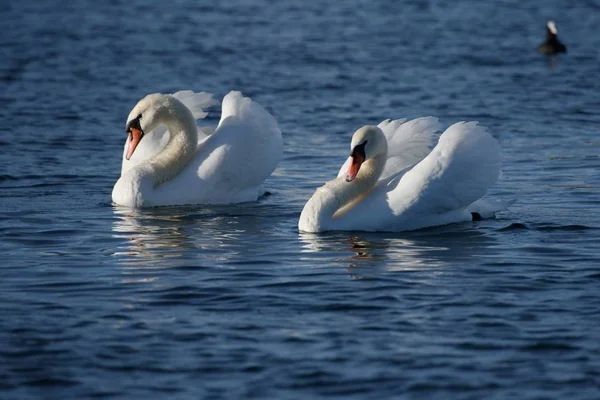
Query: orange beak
(356, 161)
(135, 135)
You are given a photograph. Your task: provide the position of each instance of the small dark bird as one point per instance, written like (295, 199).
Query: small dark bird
(552, 45)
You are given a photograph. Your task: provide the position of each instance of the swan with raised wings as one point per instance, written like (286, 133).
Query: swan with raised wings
(392, 182)
(169, 160)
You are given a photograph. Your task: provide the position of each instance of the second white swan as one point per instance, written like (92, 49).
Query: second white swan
(391, 182)
(168, 160)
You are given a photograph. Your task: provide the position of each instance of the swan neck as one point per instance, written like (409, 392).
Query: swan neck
(337, 195)
(366, 179)
(179, 150)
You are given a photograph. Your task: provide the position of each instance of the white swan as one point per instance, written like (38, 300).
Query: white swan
(182, 164)
(389, 186)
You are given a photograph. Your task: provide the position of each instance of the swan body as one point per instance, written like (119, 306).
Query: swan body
(392, 182)
(169, 160)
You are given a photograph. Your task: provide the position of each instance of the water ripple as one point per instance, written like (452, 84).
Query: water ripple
(232, 302)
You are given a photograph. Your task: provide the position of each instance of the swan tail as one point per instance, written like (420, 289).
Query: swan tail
(196, 102)
(487, 208)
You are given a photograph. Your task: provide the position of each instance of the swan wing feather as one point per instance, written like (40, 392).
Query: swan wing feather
(458, 171)
(252, 138)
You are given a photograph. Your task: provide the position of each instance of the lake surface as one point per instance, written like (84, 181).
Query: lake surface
(232, 302)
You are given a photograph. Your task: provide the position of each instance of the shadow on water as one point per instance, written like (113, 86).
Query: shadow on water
(553, 63)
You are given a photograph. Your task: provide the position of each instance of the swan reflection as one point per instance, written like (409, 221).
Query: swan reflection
(152, 236)
(432, 248)
(191, 236)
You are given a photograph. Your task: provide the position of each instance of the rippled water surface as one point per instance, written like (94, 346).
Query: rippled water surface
(232, 302)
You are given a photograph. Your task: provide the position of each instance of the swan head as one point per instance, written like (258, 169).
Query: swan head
(147, 114)
(368, 143)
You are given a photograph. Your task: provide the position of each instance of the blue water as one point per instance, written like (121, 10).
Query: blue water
(232, 302)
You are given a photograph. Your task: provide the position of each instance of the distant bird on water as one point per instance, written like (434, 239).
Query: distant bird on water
(552, 45)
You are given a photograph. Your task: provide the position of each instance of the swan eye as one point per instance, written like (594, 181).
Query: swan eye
(359, 149)
(134, 123)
